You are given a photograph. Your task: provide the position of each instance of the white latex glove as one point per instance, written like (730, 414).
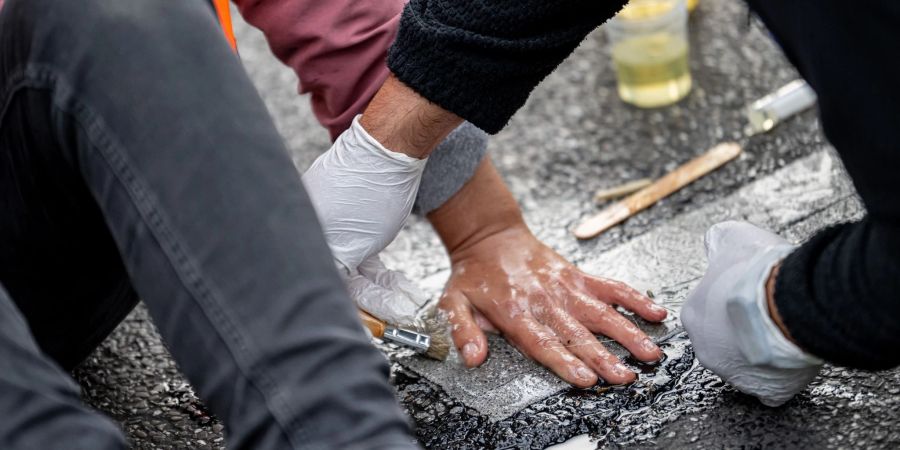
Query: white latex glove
(727, 316)
(363, 193)
(386, 294)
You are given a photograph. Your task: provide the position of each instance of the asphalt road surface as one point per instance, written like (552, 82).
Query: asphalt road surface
(573, 137)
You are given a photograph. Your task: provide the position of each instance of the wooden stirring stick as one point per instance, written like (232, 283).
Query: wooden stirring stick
(661, 188)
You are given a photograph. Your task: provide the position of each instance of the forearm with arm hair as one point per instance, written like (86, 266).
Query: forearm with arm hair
(402, 120)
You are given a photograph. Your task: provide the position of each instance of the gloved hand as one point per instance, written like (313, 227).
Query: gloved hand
(727, 316)
(363, 193)
(386, 294)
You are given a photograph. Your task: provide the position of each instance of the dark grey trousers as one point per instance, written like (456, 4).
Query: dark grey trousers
(136, 158)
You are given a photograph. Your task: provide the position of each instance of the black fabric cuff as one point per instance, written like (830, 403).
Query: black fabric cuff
(828, 309)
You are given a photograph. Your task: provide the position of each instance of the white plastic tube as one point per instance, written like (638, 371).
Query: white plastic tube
(767, 112)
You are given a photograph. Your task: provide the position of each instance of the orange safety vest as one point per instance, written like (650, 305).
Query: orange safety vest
(224, 15)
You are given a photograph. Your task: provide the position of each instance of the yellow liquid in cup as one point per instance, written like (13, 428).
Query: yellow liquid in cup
(646, 9)
(652, 69)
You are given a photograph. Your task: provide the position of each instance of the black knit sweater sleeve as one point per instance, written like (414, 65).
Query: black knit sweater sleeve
(480, 59)
(838, 294)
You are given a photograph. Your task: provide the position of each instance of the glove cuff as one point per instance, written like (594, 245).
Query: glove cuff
(360, 134)
(784, 348)
(758, 337)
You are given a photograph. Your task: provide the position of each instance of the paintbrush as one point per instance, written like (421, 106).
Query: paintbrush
(434, 344)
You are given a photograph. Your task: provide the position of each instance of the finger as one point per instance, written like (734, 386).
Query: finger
(483, 322)
(585, 346)
(604, 319)
(619, 293)
(541, 343)
(470, 341)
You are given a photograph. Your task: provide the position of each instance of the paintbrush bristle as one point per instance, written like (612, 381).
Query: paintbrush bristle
(439, 348)
(437, 328)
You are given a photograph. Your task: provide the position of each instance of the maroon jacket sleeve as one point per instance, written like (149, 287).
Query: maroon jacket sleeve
(337, 48)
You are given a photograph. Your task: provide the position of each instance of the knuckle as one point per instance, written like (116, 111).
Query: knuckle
(603, 358)
(631, 328)
(602, 308)
(579, 335)
(541, 341)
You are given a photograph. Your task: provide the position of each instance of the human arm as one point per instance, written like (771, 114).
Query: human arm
(475, 60)
(338, 50)
(835, 295)
(839, 285)
(400, 118)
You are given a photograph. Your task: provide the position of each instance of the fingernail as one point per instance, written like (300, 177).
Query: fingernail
(648, 346)
(656, 308)
(620, 369)
(470, 350)
(585, 374)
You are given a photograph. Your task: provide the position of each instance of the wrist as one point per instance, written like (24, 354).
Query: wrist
(761, 341)
(483, 207)
(783, 345)
(404, 121)
(469, 228)
(364, 140)
(770, 302)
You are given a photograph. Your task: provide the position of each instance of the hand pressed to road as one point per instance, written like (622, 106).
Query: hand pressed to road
(504, 279)
(545, 306)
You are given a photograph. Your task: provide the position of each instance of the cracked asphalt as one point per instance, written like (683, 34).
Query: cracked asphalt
(573, 136)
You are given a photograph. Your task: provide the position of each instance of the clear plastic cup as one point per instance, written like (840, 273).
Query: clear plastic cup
(649, 45)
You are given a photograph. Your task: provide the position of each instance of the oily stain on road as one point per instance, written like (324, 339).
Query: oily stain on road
(602, 411)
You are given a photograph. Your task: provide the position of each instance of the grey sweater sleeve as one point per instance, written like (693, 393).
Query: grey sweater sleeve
(450, 166)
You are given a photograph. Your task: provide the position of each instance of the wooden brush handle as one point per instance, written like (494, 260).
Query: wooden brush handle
(375, 326)
(671, 182)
